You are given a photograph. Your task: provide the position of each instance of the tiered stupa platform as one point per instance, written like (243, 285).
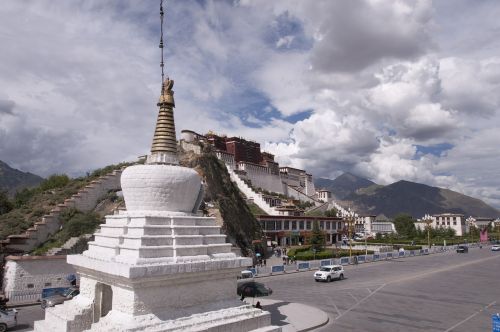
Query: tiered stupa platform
(154, 270)
(158, 266)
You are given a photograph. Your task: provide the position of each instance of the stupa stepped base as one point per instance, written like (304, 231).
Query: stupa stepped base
(242, 318)
(75, 315)
(153, 237)
(183, 296)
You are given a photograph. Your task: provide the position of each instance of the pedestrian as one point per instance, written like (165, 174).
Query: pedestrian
(356, 260)
(264, 262)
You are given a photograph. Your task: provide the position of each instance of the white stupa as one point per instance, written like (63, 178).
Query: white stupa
(158, 266)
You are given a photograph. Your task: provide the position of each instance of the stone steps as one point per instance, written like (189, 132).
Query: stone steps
(85, 200)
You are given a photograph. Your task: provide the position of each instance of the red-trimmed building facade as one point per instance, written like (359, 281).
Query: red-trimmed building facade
(292, 230)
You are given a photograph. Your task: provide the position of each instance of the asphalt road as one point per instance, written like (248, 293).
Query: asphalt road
(26, 316)
(442, 292)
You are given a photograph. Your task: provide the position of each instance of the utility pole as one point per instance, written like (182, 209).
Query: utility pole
(428, 221)
(366, 240)
(350, 220)
(471, 221)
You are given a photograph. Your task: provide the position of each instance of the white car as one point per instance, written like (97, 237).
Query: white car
(329, 272)
(8, 319)
(495, 247)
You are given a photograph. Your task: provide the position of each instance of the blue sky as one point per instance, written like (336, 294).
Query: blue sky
(388, 90)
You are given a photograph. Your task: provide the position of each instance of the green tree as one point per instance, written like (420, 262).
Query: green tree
(22, 197)
(317, 238)
(54, 181)
(331, 213)
(5, 203)
(405, 225)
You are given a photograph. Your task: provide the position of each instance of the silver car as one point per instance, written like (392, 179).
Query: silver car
(59, 298)
(8, 319)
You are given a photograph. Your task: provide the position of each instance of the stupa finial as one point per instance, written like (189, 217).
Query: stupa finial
(164, 147)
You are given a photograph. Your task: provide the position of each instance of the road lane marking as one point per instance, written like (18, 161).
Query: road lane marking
(336, 308)
(354, 297)
(361, 301)
(471, 316)
(453, 267)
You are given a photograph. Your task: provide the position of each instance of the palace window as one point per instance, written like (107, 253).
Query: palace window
(301, 225)
(287, 224)
(328, 225)
(270, 226)
(322, 225)
(294, 225)
(308, 225)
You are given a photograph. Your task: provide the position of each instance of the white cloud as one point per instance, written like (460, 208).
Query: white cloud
(79, 82)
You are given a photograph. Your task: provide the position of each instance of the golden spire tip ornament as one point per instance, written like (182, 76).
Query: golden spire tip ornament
(164, 147)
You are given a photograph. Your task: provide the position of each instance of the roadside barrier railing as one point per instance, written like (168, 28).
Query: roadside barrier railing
(298, 266)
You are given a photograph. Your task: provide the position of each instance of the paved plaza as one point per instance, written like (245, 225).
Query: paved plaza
(442, 292)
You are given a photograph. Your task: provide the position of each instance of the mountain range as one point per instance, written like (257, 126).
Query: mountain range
(416, 199)
(13, 180)
(363, 195)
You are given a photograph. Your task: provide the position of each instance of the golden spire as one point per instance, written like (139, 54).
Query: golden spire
(164, 147)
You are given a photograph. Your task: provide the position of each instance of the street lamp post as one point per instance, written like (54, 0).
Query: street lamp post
(366, 244)
(349, 220)
(428, 221)
(471, 221)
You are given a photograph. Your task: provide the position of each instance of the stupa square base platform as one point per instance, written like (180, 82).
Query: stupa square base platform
(194, 301)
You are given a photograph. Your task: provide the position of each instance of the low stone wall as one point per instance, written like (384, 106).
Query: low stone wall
(85, 200)
(293, 192)
(26, 276)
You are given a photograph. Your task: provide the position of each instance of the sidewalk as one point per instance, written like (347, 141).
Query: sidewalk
(290, 316)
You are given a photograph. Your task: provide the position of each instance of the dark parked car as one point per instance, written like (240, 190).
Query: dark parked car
(253, 289)
(59, 298)
(462, 249)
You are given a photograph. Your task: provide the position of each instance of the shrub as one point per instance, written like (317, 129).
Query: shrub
(21, 198)
(5, 203)
(408, 247)
(329, 253)
(54, 181)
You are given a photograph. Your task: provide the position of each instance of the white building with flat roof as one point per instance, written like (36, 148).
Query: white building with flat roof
(454, 221)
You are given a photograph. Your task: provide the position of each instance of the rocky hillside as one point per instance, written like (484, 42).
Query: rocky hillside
(403, 197)
(239, 225)
(13, 180)
(29, 205)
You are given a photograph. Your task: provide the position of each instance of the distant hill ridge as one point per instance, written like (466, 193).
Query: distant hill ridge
(403, 196)
(343, 185)
(13, 180)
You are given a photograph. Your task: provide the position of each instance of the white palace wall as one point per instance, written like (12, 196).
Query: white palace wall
(26, 276)
(261, 177)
